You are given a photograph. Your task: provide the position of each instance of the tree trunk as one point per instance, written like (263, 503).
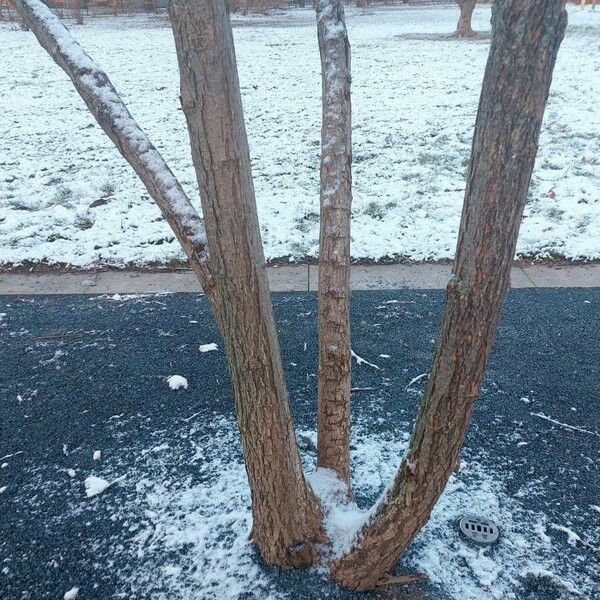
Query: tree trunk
(464, 29)
(526, 38)
(77, 12)
(286, 514)
(112, 115)
(333, 420)
(362, 3)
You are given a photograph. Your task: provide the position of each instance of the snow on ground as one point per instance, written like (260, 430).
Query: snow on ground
(177, 382)
(66, 196)
(192, 540)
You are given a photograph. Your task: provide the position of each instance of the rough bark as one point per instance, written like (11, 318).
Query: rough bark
(526, 38)
(464, 29)
(333, 420)
(286, 514)
(112, 115)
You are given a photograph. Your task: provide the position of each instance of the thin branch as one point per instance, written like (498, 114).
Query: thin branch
(112, 115)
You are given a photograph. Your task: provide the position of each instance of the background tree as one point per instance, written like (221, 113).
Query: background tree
(77, 12)
(287, 520)
(464, 28)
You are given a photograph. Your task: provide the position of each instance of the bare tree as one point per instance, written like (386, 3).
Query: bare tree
(464, 28)
(333, 418)
(287, 520)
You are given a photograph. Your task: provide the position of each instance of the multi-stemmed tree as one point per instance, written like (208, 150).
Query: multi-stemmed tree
(224, 249)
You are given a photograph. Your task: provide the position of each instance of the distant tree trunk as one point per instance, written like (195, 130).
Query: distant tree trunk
(77, 12)
(362, 3)
(286, 514)
(464, 29)
(333, 419)
(526, 38)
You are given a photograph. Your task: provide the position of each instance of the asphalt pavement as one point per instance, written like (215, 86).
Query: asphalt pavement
(84, 372)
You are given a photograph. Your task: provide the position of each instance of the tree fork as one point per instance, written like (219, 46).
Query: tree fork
(287, 521)
(333, 411)
(525, 42)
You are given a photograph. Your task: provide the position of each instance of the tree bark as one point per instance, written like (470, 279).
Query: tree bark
(464, 29)
(112, 115)
(286, 515)
(526, 38)
(333, 419)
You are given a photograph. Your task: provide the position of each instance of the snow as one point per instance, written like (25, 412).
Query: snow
(95, 485)
(177, 382)
(208, 347)
(416, 379)
(361, 361)
(122, 126)
(564, 425)
(342, 517)
(572, 537)
(97, 455)
(191, 536)
(71, 594)
(3, 489)
(414, 105)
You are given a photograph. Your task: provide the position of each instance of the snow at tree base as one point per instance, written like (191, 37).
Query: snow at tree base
(67, 196)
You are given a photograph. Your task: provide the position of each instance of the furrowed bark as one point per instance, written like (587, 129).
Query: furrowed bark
(464, 28)
(333, 420)
(526, 38)
(286, 514)
(112, 115)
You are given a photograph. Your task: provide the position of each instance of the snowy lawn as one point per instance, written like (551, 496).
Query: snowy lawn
(66, 195)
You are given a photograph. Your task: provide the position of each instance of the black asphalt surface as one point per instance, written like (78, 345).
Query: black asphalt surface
(80, 373)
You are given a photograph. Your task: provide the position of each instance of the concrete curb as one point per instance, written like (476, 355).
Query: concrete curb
(297, 278)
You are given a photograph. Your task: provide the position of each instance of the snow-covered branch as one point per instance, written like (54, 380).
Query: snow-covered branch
(112, 115)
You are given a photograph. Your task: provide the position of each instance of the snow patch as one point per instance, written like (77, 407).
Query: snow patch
(177, 382)
(71, 594)
(96, 485)
(208, 347)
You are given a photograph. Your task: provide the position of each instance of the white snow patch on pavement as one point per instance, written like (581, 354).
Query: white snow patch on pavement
(71, 594)
(95, 485)
(67, 196)
(177, 382)
(208, 347)
(572, 538)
